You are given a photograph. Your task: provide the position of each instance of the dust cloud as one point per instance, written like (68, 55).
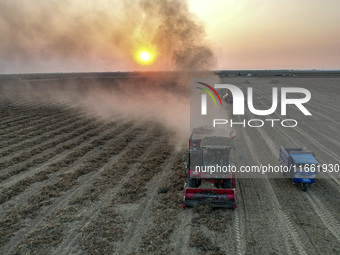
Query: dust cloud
(59, 36)
(76, 35)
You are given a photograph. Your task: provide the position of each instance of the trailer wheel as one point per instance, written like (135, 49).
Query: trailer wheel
(304, 186)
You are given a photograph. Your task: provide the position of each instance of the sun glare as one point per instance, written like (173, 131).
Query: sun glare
(145, 56)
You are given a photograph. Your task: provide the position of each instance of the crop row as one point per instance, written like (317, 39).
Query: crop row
(29, 154)
(31, 131)
(46, 135)
(15, 218)
(68, 214)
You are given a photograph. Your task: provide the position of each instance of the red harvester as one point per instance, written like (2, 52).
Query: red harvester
(210, 180)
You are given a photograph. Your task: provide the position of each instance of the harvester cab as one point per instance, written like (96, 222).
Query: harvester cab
(210, 179)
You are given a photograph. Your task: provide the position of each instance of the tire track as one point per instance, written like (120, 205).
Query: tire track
(126, 166)
(272, 149)
(239, 225)
(326, 217)
(181, 235)
(309, 138)
(288, 233)
(143, 213)
(332, 225)
(317, 145)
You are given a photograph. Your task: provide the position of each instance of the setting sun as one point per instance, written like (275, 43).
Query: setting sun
(144, 56)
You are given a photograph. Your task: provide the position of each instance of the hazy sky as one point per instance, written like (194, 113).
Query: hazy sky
(104, 35)
(271, 34)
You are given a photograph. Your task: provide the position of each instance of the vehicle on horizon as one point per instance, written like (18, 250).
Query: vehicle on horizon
(228, 96)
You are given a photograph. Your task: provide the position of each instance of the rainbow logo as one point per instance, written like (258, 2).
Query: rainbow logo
(204, 97)
(209, 93)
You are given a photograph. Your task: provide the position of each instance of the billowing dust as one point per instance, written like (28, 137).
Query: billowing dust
(73, 35)
(59, 36)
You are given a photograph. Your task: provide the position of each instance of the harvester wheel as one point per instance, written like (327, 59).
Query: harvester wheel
(304, 186)
(227, 184)
(192, 183)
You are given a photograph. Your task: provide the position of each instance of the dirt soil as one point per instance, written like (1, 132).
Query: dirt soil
(71, 183)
